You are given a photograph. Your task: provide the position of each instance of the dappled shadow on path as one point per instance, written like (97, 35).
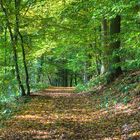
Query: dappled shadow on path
(70, 118)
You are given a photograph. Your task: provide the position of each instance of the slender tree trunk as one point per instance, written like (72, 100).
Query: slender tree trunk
(25, 65)
(64, 74)
(66, 78)
(105, 45)
(75, 78)
(22, 46)
(98, 65)
(50, 81)
(71, 80)
(85, 76)
(5, 51)
(14, 43)
(98, 60)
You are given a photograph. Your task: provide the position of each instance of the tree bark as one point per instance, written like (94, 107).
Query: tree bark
(25, 65)
(22, 46)
(115, 29)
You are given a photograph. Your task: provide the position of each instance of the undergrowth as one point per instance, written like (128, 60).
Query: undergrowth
(9, 106)
(122, 90)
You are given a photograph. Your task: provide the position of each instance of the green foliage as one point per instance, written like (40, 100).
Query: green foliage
(63, 42)
(80, 88)
(39, 86)
(94, 82)
(10, 105)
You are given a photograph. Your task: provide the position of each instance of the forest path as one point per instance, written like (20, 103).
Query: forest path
(60, 114)
(56, 91)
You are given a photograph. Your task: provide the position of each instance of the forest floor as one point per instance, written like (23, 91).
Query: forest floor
(61, 114)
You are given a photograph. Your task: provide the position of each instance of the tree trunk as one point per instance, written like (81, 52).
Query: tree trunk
(50, 81)
(71, 80)
(75, 78)
(25, 65)
(5, 51)
(14, 44)
(105, 45)
(22, 46)
(85, 76)
(114, 69)
(65, 78)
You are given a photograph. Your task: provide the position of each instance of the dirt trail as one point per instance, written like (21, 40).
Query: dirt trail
(56, 91)
(60, 114)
